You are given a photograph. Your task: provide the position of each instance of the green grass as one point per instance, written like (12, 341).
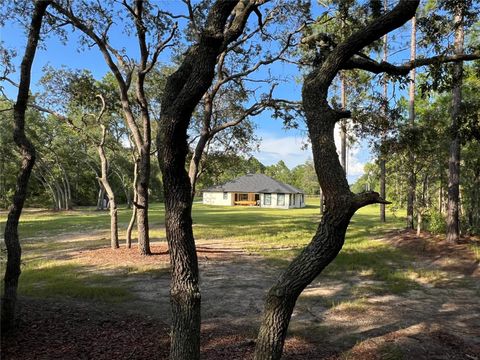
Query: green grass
(277, 235)
(62, 279)
(475, 248)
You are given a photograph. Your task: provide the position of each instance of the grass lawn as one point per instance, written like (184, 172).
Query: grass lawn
(275, 234)
(375, 287)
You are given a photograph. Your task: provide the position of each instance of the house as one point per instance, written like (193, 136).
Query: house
(255, 190)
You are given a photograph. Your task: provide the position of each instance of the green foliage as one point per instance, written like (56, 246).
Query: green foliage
(437, 223)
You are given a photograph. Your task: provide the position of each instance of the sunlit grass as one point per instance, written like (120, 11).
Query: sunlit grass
(475, 248)
(276, 234)
(64, 279)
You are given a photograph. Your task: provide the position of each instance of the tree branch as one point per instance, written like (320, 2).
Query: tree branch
(367, 198)
(386, 67)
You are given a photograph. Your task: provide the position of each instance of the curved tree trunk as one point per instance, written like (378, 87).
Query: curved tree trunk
(61, 195)
(340, 202)
(134, 209)
(195, 161)
(183, 91)
(43, 179)
(68, 192)
(12, 271)
(141, 134)
(113, 221)
(111, 195)
(142, 203)
(131, 224)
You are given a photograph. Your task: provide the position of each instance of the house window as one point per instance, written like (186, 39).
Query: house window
(225, 196)
(267, 199)
(280, 199)
(243, 197)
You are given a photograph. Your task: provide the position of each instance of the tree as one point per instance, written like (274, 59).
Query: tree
(453, 218)
(412, 182)
(279, 171)
(185, 88)
(12, 271)
(382, 160)
(224, 112)
(154, 31)
(77, 94)
(340, 202)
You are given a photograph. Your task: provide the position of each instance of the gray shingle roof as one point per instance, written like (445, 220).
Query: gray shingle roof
(255, 183)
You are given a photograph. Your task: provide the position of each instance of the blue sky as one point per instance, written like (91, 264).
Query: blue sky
(277, 143)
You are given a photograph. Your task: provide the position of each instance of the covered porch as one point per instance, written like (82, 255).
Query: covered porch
(246, 199)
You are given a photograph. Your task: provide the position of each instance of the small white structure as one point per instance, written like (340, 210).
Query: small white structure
(255, 190)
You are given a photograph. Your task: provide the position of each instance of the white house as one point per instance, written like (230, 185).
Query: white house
(255, 190)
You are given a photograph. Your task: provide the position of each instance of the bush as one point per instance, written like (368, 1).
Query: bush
(437, 223)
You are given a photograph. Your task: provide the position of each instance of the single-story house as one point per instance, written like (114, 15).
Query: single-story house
(255, 190)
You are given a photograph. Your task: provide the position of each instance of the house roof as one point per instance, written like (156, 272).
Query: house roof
(255, 183)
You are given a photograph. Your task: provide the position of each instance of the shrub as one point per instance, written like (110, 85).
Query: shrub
(437, 223)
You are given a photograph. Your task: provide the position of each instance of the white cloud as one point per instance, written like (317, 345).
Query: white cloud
(289, 148)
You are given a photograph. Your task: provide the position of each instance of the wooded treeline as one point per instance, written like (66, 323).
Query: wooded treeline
(67, 170)
(176, 112)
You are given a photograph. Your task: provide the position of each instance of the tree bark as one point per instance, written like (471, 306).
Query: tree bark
(106, 185)
(340, 202)
(142, 202)
(12, 243)
(412, 179)
(134, 208)
(195, 161)
(183, 91)
(322, 201)
(453, 218)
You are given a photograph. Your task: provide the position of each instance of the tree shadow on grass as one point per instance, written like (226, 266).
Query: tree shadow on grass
(48, 279)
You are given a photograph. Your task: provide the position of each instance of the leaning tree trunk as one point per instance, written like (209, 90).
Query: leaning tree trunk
(184, 288)
(134, 208)
(340, 205)
(195, 161)
(12, 243)
(412, 180)
(453, 218)
(183, 91)
(340, 202)
(111, 195)
(142, 202)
